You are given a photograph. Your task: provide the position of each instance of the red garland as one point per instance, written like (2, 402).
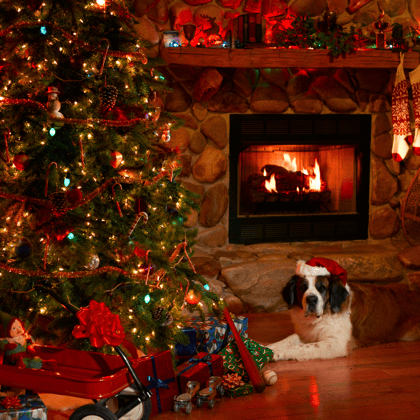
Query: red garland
(100, 325)
(11, 402)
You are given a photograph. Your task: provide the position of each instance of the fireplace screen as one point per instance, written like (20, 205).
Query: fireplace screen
(299, 177)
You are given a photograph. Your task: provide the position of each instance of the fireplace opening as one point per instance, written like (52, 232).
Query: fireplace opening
(299, 177)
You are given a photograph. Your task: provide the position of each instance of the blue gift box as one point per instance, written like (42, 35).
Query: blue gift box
(29, 407)
(190, 349)
(214, 334)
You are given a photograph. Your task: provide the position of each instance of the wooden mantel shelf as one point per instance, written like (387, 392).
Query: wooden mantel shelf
(282, 58)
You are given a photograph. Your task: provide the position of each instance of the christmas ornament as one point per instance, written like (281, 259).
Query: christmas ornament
(175, 218)
(59, 203)
(147, 268)
(53, 107)
(400, 115)
(74, 195)
(108, 97)
(162, 316)
(7, 135)
(270, 377)
(193, 297)
(116, 159)
(34, 5)
(93, 263)
(140, 205)
(415, 84)
(21, 161)
(24, 248)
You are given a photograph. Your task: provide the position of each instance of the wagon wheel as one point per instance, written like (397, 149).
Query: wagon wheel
(141, 411)
(92, 412)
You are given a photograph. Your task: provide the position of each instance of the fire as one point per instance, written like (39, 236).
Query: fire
(271, 185)
(289, 164)
(315, 183)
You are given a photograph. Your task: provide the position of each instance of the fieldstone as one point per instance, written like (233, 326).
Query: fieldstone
(382, 145)
(196, 189)
(159, 13)
(382, 124)
(198, 142)
(192, 219)
(343, 77)
(245, 80)
(215, 129)
(372, 80)
(179, 14)
(298, 83)
(210, 166)
(234, 304)
(384, 223)
(412, 161)
(214, 205)
(259, 283)
(363, 13)
(227, 84)
(179, 139)
(308, 7)
(275, 76)
(199, 111)
(228, 102)
(379, 103)
(206, 266)
(205, 16)
(230, 257)
(384, 185)
(308, 104)
(178, 100)
(392, 8)
(215, 237)
(189, 121)
(146, 30)
(230, 4)
(270, 8)
(196, 2)
(362, 97)
(185, 161)
(404, 181)
(141, 7)
(414, 9)
(268, 98)
(182, 73)
(207, 85)
(338, 5)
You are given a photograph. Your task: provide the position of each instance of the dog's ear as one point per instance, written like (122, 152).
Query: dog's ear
(289, 292)
(338, 294)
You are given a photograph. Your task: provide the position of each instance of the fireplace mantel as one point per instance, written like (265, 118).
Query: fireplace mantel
(283, 58)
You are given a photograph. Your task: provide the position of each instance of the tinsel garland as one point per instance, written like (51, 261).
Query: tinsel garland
(135, 55)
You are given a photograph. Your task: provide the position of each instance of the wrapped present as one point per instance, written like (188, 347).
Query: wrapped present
(22, 407)
(199, 368)
(232, 361)
(213, 334)
(190, 349)
(239, 391)
(157, 374)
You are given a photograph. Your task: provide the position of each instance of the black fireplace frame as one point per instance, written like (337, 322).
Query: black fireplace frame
(275, 129)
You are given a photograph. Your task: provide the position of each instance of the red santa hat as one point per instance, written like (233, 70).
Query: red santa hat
(321, 267)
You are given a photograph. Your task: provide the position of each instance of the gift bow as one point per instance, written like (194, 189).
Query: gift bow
(204, 359)
(100, 325)
(157, 383)
(11, 402)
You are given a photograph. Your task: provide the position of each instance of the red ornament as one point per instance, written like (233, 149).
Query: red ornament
(193, 297)
(34, 5)
(147, 267)
(140, 206)
(74, 195)
(116, 159)
(21, 161)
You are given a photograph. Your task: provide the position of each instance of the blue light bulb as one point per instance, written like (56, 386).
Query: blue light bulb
(70, 236)
(43, 30)
(207, 287)
(66, 182)
(52, 131)
(147, 298)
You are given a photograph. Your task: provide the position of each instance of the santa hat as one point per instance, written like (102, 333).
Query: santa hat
(7, 321)
(321, 267)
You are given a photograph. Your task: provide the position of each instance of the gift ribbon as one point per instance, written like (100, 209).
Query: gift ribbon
(156, 383)
(193, 362)
(11, 402)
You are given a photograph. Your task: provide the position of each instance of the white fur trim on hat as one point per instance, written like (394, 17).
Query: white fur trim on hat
(304, 269)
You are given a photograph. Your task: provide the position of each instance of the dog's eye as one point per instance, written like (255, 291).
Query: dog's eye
(303, 287)
(321, 287)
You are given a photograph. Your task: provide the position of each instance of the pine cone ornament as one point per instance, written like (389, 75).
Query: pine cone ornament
(165, 318)
(108, 97)
(59, 203)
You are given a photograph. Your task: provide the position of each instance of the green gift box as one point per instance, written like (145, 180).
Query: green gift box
(232, 361)
(240, 391)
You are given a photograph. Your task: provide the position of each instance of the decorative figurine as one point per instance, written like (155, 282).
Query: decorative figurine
(381, 27)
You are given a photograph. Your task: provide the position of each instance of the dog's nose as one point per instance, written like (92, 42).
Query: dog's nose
(311, 299)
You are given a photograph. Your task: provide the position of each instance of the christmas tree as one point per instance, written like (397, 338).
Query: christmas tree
(90, 209)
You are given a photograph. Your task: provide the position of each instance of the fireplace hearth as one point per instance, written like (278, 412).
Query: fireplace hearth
(299, 177)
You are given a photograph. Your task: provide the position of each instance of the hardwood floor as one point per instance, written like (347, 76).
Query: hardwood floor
(380, 382)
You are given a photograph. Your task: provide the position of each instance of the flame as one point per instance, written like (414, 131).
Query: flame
(265, 172)
(271, 185)
(289, 164)
(315, 183)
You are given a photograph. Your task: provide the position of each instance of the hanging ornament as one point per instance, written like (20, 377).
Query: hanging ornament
(147, 268)
(116, 159)
(76, 60)
(140, 205)
(108, 97)
(21, 161)
(24, 248)
(58, 229)
(74, 195)
(34, 5)
(93, 263)
(175, 219)
(166, 134)
(162, 316)
(7, 135)
(53, 107)
(193, 297)
(59, 203)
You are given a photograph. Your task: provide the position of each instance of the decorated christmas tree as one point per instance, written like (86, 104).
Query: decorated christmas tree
(90, 208)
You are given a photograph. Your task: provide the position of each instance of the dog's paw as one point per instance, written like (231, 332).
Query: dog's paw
(278, 353)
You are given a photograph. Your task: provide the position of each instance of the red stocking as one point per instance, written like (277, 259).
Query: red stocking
(400, 115)
(415, 83)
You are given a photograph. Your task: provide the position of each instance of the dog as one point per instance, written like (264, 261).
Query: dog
(332, 318)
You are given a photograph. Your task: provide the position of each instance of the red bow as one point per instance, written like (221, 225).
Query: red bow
(100, 325)
(11, 402)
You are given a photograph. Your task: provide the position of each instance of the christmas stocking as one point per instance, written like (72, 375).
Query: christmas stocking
(400, 115)
(415, 83)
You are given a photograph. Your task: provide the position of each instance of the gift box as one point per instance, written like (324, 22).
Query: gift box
(190, 349)
(213, 334)
(23, 407)
(199, 368)
(157, 374)
(232, 361)
(239, 391)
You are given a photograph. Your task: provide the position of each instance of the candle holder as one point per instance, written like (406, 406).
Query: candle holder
(189, 32)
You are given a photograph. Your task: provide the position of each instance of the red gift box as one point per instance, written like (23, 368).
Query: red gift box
(157, 374)
(199, 368)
